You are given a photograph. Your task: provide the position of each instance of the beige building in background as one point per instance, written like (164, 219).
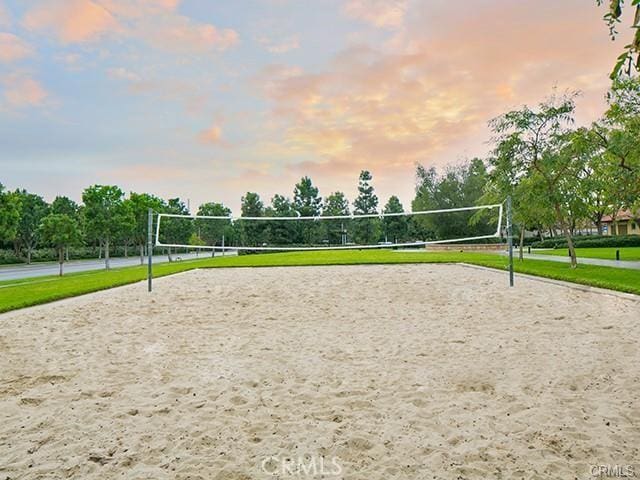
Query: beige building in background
(623, 224)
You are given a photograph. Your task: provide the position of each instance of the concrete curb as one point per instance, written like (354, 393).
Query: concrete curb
(562, 283)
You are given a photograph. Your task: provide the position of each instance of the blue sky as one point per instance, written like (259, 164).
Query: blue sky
(207, 100)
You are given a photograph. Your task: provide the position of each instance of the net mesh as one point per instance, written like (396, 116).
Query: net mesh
(330, 232)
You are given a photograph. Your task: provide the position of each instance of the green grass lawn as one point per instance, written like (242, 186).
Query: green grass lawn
(26, 292)
(608, 253)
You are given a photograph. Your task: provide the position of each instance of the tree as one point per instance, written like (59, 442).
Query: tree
(140, 204)
(176, 230)
(60, 231)
(367, 230)
(423, 226)
(126, 234)
(629, 59)
(306, 200)
(460, 186)
(537, 144)
(33, 209)
(64, 206)
(307, 203)
(617, 135)
(9, 215)
(212, 231)
(281, 232)
(336, 231)
(395, 228)
(252, 232)
(104, 215)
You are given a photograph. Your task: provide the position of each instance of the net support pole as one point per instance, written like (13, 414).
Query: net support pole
(510, 239)
(150, 251)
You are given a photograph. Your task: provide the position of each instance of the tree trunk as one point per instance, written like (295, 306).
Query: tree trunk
(107, 265)
(100, 251)
(521, 254)
(28, 255)
(169, 255)
(126, 250)
(141, 254)
(61, 258)
(66, 254)
(567, 234)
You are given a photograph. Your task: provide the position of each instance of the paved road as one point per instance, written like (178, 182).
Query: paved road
(588, 261)
(15, 272)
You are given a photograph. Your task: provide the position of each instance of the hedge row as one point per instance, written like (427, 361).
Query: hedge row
(591, 241)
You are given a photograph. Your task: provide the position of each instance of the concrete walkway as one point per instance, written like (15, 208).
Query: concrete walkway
(40, 269)
(587, 261)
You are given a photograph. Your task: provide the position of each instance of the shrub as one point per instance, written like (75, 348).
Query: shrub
(591, 241)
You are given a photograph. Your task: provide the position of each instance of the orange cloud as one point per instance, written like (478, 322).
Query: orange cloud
(13, 48)
(212, 135)
(20, 91)
(153, 21)
(71, 21)
(379, 13)
(426, 95)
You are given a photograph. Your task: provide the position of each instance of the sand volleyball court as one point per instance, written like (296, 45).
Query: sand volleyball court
(355, 372)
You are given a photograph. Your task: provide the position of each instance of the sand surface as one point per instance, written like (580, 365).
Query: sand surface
(358, 372)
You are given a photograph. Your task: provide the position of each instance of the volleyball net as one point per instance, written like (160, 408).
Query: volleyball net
(330, 232)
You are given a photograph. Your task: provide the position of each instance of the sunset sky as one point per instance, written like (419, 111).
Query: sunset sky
(209, 99)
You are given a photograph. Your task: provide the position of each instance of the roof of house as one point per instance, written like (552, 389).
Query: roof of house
(621, 215)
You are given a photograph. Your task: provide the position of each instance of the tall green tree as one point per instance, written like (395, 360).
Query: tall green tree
(281, 233)
(629, 59)
(336, 231)
(422, 226)
(140, 204)
(459, 186)
(395, 229)
(60, 231)
(538, 144)
(104, 215)
(9, 215)
(252, 233)
(212, 231)
(176, 230)
(308, 203)
(64, 206)
(366, 230)
(33, 209)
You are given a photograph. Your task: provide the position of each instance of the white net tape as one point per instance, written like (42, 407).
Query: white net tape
(344, 245)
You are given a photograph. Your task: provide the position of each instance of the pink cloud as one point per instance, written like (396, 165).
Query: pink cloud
(427, 94)
(71, 21)
(13, 48)
(153, 21)
(20, 91)
(212, 135)
(379, 13)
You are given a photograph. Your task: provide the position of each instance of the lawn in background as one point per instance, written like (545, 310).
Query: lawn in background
(26, 292)
(607, 253)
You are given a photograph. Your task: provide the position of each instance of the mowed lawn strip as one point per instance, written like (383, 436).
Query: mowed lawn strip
(27, 292)
(607, 253)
